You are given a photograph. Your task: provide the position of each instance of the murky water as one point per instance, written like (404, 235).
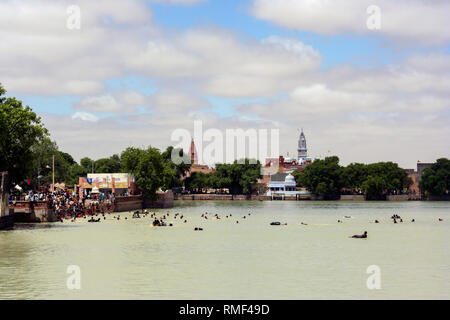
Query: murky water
(129, 259)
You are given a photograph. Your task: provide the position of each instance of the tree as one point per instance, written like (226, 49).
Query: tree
(149, 169)
(86, 163)
(239, 177)
(75, 172)
(180, 169)
(198, 181)
(322, 177)
(354, 175)
(43, 153)
(374, 187)
(436, 179)
(395, 177)
(20, 129)
(107, 165)
(67, 157)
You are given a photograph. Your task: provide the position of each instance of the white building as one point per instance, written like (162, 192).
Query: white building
(283, 184)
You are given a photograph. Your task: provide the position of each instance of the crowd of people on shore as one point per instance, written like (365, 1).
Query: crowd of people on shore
(68, 205)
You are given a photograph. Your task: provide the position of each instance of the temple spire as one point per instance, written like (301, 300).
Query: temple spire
(193, 153)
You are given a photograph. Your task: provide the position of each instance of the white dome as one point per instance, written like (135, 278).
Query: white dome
(289, 178)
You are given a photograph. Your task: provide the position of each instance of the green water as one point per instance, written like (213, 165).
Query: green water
(129, 259)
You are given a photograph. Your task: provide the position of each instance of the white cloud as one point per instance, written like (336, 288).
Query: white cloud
(117, 102)
(219, 63)
(176, 101)
(40, 55)
(84, 116)
(409, 20)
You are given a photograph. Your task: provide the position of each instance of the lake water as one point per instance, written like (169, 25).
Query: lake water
(129, 259)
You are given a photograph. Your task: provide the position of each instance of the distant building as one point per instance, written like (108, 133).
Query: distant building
(114, 183)
(421, 166)
(283, 184)
(274, 167)
(193, 153)
(416, 176)
(195, 166)
(302, 148)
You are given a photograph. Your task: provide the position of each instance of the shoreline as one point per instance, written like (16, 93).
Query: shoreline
(347, 198)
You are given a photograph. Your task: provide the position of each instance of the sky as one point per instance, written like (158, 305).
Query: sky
(132, 72)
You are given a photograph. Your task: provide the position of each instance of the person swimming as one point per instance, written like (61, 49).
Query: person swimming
(376, 221)
(362, 236)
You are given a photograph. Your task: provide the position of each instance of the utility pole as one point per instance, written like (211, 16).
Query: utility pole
(53, 174)
(92, 166)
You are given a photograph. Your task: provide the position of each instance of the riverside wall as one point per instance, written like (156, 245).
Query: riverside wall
(33, 212)
(352, 197)
(6, 215)
(358, 197)
(399, 197)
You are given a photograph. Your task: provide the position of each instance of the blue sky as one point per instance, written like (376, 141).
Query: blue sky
(148, 67)
(363, 51)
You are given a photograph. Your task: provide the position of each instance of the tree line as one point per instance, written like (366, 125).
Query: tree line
(329, 179)
(239, 177)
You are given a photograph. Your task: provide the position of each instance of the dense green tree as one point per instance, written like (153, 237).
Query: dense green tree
(322, 177)
(436, 179)
(327, 178)
(198, 181)
(43, 153)
(354, 175)
(20, 129)
(394, 176)
(75, 172)
(107, 165)
(149, 169)
(375, 186)
(239, 177)
(67, 157)
(130, 158)
(179, 161)
(86, 163)
(67, 170)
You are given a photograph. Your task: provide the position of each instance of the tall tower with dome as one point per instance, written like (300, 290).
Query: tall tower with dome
(302, 148)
